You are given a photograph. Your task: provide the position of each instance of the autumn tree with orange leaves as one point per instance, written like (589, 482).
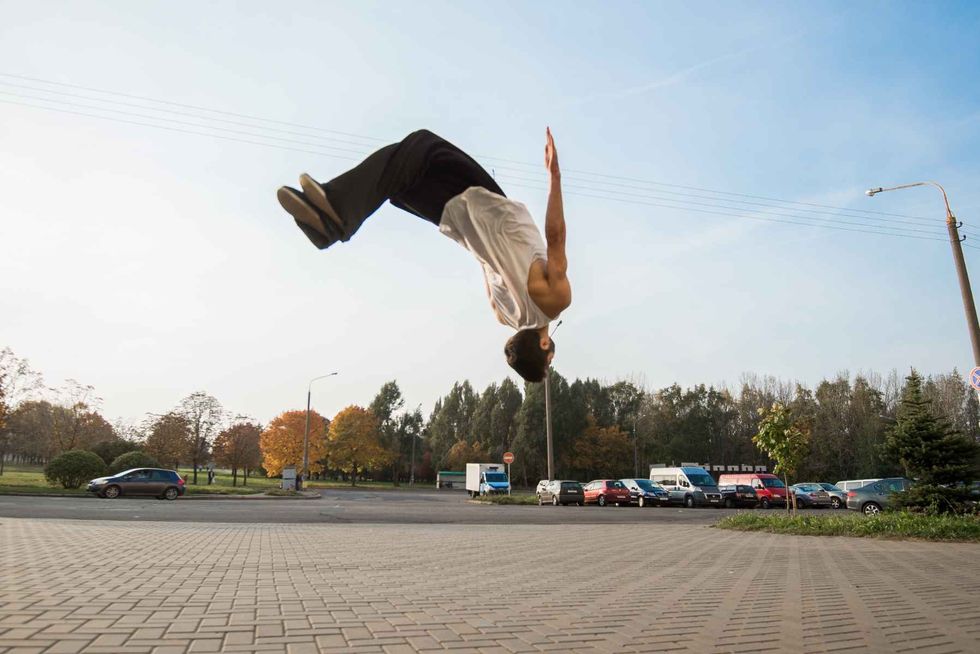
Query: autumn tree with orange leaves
(282, 442)
(354, 443)
(238, 448)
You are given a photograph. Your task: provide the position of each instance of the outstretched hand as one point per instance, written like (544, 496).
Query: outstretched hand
(551, 154)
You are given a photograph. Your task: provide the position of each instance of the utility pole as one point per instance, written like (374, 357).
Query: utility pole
(636, 454)
(952, 226)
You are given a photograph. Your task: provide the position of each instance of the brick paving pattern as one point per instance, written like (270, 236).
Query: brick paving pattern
(161, 588)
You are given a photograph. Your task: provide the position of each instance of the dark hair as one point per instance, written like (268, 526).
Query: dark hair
(524, 354)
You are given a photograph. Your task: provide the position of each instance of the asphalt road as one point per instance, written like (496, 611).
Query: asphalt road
(347, 507)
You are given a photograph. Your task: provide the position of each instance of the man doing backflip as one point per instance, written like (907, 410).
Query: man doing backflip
(426, 175)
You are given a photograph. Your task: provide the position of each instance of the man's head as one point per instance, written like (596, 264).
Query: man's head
(530, 352)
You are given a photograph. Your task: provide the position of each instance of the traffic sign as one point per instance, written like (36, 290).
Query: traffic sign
(975, 378)
(509, 456)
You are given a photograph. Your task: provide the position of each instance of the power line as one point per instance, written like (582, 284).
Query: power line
(536, 167)
(797, 219)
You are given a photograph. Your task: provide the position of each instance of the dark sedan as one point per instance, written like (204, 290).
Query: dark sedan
(738, 496)
(163, 484)
(644, 492)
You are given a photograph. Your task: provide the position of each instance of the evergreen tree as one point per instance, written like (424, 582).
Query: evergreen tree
(927, 447)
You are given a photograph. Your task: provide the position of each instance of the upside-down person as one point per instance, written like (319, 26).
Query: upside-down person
(428, 176)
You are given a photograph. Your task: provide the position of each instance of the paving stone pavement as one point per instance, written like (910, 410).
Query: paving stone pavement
(161, 588)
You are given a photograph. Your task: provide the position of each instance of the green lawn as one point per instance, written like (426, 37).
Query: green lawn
(30, 479)
(890, 524)
(514, 498)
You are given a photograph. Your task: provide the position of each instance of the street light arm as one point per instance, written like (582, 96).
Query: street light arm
(309, 386)
(949, 212)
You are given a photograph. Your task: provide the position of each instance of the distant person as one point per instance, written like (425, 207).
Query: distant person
(428, 176)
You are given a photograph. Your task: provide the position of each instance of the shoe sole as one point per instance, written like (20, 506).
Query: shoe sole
(316, 194)
(301, 210)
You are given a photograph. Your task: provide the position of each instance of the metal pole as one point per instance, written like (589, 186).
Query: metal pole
(636, 455)
(547, 422)
(411, 476)
(306, 443)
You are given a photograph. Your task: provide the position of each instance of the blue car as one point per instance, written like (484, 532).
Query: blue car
(644, 492)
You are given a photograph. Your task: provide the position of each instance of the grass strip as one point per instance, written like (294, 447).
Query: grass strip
(517, 498)
(892, 524)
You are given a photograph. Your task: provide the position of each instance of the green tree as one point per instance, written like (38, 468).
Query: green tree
(451, 420)
(170, 439)
(785, 439)
(385, 407)
(929, 450)
(109, 449)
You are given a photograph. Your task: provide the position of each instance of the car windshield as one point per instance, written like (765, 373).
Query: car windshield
(496, 476)
(773, 482)
(615, 484)
(809, 488)
(645, 484)
(700, 479)
(829, 487)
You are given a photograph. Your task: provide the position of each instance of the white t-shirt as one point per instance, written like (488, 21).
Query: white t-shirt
(504, 239)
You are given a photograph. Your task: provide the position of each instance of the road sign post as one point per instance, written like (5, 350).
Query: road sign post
(509, 459)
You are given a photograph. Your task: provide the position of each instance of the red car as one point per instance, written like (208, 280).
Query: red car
(606, 491)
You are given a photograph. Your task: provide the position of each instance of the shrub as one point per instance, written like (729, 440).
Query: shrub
(73, 468)
(111, 449)
(935, 500)
(135, 459)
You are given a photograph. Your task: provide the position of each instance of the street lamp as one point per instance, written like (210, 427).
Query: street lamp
(955, 243)
(306, 434)
(547, 414)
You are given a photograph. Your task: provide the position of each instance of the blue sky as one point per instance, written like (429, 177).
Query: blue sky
(152, 263)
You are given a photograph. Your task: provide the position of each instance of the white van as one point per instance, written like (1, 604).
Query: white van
(851, 484)
(688, 485)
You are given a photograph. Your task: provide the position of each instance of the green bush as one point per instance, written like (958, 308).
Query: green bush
(73, 468)
(110, 449)
(135, 459)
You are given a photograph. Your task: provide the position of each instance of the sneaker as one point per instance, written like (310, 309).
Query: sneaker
(315, 193)
(310, 219)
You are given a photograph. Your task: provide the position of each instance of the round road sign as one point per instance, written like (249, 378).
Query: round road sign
(975, 378)
(508, 457)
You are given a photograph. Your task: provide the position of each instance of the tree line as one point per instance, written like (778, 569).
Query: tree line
(599, 429)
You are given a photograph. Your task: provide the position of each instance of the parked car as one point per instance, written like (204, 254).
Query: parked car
(872, 498)
(810, 496)
(838, 496)
(160, 483)
(688, 485)
(644, 492)
(738, 496)
(562, 492)
(851, 484)
(606, 491)
(541, 486)
(769, 488)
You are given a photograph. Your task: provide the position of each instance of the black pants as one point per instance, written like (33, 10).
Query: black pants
(420, 174)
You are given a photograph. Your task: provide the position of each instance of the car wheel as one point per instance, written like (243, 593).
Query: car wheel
(729, 504)
(170, 494)
(641, 502)
(765, 503)
(554, 500)
(835, 502)
(689, 502)
(871, 509)
(602, 500)
(111, 492)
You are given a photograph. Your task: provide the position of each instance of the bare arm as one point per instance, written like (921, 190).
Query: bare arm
(554, 229)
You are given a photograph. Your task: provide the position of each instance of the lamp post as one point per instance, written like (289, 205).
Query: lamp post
(306, 434)
(547, 414)
(954, 241)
